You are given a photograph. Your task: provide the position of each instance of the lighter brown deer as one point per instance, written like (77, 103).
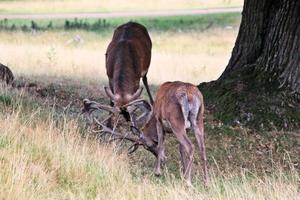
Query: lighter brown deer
(178, 106)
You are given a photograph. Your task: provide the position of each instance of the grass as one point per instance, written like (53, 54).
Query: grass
(178, 42)
(56, 54)
(62, 6)
(43, 155)
(166, 23)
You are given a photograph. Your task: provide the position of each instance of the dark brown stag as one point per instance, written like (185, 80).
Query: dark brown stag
(178, 106)
(127, 61)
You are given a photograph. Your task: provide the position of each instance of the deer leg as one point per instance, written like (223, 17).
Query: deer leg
(161, 149)
(182, 157)
(145, 81)
(187, 152)
(110, 120)
(126, 115)
(199, 133)
(178, 125)
(189, 147)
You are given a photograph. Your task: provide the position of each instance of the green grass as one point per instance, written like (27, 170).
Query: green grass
(5, 99)
(174, 23)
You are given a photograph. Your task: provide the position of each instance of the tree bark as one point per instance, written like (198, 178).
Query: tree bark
(269, 39)
(261, 84)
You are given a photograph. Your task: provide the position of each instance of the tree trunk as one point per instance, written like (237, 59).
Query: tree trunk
(269, 38)
(265, 62)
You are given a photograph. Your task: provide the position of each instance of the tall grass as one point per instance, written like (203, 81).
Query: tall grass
(45, 157)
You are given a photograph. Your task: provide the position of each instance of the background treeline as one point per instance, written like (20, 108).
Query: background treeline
(180, 23)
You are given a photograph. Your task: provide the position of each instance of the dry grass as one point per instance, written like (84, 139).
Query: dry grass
(44, 157)
(60, 6)
(188, 56)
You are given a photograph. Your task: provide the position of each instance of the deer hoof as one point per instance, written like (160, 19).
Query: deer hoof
(157, 173)
(189, 183)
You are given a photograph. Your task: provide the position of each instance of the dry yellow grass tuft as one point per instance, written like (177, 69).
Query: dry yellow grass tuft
(194, 56)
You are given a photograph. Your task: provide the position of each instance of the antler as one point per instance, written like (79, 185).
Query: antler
(120, 136)
(115, 134)
(91, 106)
(146, 108)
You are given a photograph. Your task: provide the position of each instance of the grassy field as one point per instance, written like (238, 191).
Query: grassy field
(57, 54)
(194, 49)
(62, 6)
(47, 154)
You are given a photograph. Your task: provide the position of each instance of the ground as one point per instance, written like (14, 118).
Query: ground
(41, 110)
(238, 146)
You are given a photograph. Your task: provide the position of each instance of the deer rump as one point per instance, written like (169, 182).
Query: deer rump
(128, 58)
(180, 102)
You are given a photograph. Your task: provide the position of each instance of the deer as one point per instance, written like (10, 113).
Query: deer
(178, 106)
(128, 58)
(6, 74)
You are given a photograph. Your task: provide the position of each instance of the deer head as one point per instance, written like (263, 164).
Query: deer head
(122, 100)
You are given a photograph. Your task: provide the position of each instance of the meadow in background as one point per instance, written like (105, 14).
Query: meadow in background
(194, 49)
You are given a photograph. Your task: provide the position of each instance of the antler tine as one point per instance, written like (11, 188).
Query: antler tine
(137, 104)
(146, 109)
(136, 145)
(135, 130)
(90, 106)
(115, 133)
(132, 148)
(134, 102)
